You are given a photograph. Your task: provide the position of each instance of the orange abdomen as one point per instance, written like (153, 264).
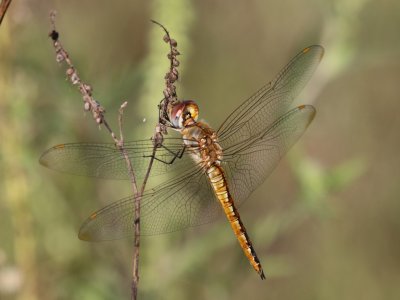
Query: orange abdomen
(221, 190)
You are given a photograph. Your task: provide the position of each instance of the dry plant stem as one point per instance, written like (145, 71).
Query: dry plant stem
(90, 104)
(170, 95)
(3, 8)
(137, 199)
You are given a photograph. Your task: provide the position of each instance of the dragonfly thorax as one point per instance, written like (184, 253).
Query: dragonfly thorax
(203, 141)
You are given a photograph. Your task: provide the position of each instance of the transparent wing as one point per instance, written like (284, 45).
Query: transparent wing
(180, 203)
(249, 120)
(106, 161)
(248, 164)
(256, 114)
(189, 200)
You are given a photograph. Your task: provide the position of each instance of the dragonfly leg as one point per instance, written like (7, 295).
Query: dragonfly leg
(176, 155)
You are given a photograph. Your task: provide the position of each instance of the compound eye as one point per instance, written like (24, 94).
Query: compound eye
(187, 115)
(175, 115)
(183, 111)
(192, 110)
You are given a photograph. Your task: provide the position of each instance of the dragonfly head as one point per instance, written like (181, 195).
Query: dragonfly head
(184, 113)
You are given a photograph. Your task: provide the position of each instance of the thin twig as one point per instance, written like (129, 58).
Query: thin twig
(170, 98)
(3, 8)
(90, 104)
(170, 95)
(137, 201)
(121, 112)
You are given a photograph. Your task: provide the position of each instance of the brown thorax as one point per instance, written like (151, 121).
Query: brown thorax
(210, 152)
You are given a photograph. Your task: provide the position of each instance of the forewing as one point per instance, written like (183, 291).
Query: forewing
(259, 112)
(249, 164)
(106, 161)
(179, 203)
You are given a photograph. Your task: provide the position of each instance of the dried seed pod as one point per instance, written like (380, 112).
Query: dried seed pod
(97, 103)
(166, 94)
(88, 88)
(164, 129)
(54, 35)
(99, 120)
(82, 89)
(175, 51)
(172, 77)
(86, 99)
(74, 78)
(173, 43)
(172, 92)
(170, 55)
(166, 38)
(175, 71)
(100, 109)
(87, 106)
(57, 46)
(175, 62)
(59, 57)
(70, 71)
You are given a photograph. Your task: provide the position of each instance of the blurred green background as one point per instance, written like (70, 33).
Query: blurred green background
(325, 224)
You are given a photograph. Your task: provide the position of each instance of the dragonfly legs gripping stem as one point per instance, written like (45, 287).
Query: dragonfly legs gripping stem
(176, 155)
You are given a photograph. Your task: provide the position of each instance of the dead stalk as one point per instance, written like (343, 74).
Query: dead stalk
(98, 113)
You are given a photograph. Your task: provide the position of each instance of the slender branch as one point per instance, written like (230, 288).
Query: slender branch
(137, 201)
(121, 112)
(93, 106)
(170, 95)
(170, 98)
(3, 8)
(90, 104)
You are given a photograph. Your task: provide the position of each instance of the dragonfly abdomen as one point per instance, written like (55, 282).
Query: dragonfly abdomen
(221, 190)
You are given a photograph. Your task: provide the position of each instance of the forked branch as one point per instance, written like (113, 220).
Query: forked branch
(98, 114)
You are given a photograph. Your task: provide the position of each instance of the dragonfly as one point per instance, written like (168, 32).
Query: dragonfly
(217, 170)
